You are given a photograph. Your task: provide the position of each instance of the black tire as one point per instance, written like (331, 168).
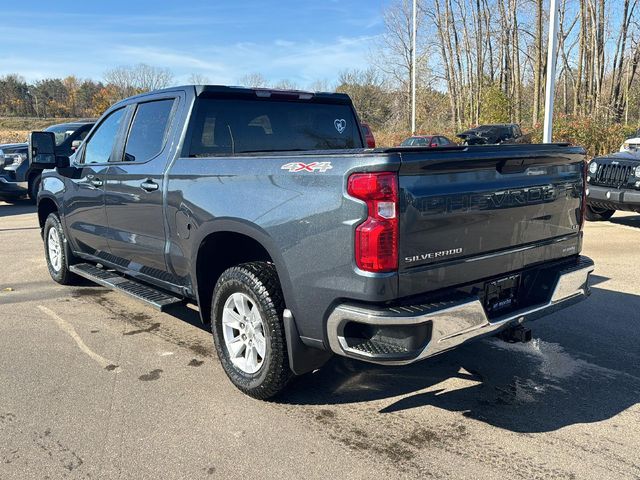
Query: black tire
(62, 275)
(259, 281)
(594, 214)
(34, 186)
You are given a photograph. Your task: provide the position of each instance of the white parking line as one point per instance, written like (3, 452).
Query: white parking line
(68, 329)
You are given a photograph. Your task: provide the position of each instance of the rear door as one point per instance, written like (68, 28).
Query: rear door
(134, 190)
(85, 215)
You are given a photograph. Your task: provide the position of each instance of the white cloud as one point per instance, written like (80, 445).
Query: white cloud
(95, 44)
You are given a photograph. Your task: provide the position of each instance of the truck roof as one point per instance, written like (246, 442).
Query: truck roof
(79, 123)
(247, 92)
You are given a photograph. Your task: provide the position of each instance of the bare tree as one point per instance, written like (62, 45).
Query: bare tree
(285, 84)
(254, 80)
(394, 52)
(198, 79)
(131, 80)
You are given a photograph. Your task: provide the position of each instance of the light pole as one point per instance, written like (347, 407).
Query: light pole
(413, 71)
(551, 72)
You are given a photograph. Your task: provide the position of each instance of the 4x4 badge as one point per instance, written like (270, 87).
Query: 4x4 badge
(307, 167)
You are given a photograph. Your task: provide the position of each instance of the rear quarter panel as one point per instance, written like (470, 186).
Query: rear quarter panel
(304, 219)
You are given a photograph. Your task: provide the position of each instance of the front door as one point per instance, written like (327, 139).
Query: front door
(84, 202)
(133, 192)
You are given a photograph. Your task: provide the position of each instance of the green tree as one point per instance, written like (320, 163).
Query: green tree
(495, 106)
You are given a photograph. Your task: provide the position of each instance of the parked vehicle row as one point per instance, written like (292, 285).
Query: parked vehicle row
(18, 178)
(266, 209)
(481, 135)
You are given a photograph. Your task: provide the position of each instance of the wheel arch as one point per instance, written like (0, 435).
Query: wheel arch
(46, 206)
(223, 244)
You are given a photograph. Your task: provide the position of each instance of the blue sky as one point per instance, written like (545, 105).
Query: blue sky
(223, 40)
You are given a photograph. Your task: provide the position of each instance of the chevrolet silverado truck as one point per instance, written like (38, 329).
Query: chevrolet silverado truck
(613, 183)
(265, 209)
(18, 178)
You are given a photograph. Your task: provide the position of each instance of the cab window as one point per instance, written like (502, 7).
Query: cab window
(148, 132)
(99, 148)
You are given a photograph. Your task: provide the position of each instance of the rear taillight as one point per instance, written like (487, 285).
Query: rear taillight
(376, 247)
(368, 135)
(371, 141)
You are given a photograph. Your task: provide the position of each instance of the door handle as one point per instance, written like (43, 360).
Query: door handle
(96, 182)
(149, 186)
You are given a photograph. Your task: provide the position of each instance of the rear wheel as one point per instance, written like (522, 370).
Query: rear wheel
(57, 252)
(248, 331)
(594, 214)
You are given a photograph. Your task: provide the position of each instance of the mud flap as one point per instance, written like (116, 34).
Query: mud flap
(302, 358)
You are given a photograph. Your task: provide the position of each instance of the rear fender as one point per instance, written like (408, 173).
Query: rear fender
(249, 230)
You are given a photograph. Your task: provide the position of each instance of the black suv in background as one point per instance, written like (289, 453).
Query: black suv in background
(493, 134)
(613, 183)
(18, 178)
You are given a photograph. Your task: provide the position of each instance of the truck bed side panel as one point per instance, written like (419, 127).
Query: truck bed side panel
(306, 215)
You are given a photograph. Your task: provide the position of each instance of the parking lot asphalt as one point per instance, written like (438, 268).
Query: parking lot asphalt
(96, 385)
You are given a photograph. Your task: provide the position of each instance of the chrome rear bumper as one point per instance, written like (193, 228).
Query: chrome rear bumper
(444, 325)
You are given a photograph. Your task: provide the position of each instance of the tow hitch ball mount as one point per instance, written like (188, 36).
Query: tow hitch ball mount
(518, 334)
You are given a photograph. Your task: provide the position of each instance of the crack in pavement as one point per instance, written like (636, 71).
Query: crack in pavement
(67, 328)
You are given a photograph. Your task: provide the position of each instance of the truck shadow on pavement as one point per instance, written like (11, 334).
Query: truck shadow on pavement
(581, 367)
(17, 207)
(627, 220)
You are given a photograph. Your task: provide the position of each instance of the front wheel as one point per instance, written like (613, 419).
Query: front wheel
(246, 321)
(594, 214)
(57, 252)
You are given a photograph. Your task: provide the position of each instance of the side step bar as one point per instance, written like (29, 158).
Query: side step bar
(111, 279)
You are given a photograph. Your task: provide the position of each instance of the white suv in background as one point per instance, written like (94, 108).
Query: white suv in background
(631, 144)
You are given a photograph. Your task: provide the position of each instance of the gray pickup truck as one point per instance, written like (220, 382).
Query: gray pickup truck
(296, 242)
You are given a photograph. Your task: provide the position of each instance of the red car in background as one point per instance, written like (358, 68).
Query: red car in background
(368, 134)
(427, 141)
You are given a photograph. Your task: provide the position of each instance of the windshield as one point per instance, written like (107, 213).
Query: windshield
(415, 142)
(62, 132)
(223, 127)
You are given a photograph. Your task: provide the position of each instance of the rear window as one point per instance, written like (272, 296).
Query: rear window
(148, 131)
(224, 127)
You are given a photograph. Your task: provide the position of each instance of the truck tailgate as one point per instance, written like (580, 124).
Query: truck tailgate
(477, 212)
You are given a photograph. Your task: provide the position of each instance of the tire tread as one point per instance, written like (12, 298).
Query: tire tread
(261, 279)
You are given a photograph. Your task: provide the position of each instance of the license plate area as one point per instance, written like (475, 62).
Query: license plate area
(502, 294)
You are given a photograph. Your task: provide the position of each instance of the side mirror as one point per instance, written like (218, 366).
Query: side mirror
(42, 151)
(75, 145)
